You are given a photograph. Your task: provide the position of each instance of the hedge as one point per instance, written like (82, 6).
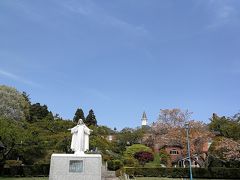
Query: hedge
(26, 170)
(214, 173)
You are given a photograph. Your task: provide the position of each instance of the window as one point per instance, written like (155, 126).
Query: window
(173, 151)
(76, 166)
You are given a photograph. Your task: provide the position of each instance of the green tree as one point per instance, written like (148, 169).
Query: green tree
(24, 139)
(227, 127)
(12, 104)
(131, 150)
(26, 97)
(99, 143)
(164, 157)
(98, 138)
(4, 151)
(65, 145)
(39, 112)
(128, 155)
(128, 137)
(101, 130)
(79, 114)
(236, 117)
(27, 110)
(91, 119)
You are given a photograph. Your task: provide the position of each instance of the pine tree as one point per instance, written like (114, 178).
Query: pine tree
(91, 119)
(26, 97)
(38, 112)
(79, 115)
(27, 106)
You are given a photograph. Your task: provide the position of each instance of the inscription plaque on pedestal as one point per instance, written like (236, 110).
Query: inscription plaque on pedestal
(76, 166)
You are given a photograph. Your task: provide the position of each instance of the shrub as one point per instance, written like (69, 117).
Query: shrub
(114, 165)
(212, 173)
(130, 162)
(119, 172)
(143, 157)
(131, 150)
(27, 170)
(10, 163)
(164, 157)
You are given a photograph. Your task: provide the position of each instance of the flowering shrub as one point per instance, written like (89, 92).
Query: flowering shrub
(143, 157)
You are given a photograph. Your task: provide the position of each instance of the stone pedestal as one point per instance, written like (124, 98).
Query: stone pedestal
(75, 166)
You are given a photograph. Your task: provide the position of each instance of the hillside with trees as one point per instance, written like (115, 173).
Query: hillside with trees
(30, 133)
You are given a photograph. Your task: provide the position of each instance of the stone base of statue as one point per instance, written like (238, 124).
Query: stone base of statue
(75, 166)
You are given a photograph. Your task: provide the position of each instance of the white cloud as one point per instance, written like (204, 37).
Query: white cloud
(81, 7)
(226, 12)
(99, 15)
(223, 12)
(27, 10)
(18, 78)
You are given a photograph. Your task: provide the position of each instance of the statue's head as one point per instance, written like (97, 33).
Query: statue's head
(80, 121)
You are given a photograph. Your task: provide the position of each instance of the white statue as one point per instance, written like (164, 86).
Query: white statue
(80, 138)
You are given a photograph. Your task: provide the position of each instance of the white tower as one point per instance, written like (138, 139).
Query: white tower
(144, 119)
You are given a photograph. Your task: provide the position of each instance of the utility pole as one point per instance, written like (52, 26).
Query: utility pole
(188, 147)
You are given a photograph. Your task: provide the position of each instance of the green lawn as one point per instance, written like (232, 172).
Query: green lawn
(155, 178)
(30, 178)
(152, 178)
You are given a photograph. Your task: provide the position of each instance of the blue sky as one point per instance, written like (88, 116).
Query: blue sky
(121, 58)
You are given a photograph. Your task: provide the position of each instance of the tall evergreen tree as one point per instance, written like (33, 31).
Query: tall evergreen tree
(27, 110)
(79, 114)
(91, 119)
(38, 112)
(26, 97)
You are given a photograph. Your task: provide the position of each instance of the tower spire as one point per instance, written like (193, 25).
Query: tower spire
(144, 119)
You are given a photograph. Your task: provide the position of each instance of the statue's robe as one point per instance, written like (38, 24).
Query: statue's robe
(80, 138)
(87, 132)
